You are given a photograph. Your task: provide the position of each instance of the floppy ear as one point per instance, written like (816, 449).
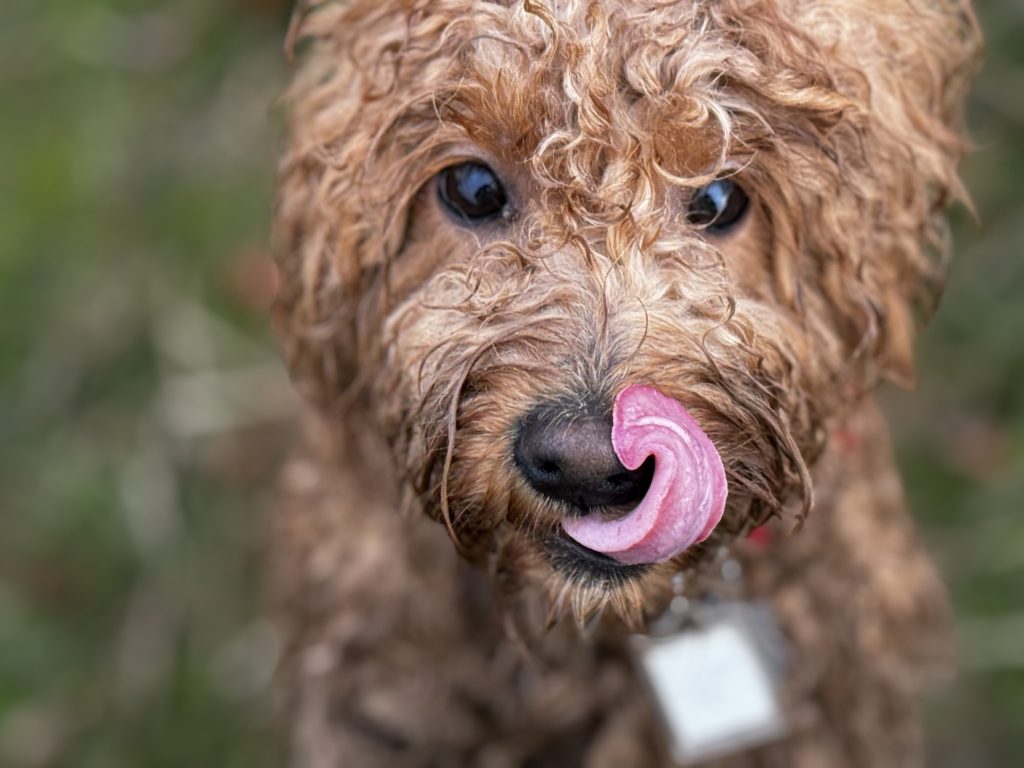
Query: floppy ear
(929, 56)
(906, 66)
(329, 223)
(852, 114)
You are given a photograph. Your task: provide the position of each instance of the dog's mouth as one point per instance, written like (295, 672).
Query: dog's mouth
(605, 511)
(581, 565)
(685, 495)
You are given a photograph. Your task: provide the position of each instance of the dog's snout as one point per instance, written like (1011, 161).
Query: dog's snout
(573, 461)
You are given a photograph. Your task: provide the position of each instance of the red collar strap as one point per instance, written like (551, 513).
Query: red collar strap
(762, 537)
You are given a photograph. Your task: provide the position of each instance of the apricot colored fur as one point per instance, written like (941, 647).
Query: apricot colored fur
(419, 343)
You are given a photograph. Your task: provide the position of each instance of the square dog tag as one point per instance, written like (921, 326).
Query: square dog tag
(712, 686)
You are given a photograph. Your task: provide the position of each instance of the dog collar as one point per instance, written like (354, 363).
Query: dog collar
(713, 665)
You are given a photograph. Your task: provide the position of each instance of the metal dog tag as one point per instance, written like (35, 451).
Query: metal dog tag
(713, 685)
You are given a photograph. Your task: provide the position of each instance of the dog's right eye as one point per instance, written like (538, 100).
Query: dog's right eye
(719, 206)
(471, 192)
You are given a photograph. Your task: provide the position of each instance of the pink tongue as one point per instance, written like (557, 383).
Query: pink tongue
(687, 494)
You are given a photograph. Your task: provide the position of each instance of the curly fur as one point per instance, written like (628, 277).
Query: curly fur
(420, 344)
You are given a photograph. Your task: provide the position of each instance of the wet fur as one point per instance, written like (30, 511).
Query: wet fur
(420, 344)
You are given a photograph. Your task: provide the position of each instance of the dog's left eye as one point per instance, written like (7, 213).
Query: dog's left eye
(472, 192)
(719, 206)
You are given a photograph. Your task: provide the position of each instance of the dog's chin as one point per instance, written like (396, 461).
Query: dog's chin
(585, 567)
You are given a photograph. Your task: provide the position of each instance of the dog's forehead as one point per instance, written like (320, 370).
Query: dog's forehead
(602, 72)
(565, 20)
(587, 48)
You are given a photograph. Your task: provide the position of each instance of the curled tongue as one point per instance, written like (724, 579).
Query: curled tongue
(687, 494)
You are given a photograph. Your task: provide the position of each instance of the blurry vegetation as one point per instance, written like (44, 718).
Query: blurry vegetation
(140, 399)
(141, 403)
(960, 435)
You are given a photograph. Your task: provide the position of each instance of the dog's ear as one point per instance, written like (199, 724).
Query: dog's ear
(906, 67)
(918, 83)
(867, 102)
(333, 225)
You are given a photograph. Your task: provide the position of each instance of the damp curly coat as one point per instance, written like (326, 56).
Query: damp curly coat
(420, 343)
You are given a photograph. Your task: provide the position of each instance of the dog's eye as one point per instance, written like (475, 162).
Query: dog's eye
(471, 192)
(719, 206)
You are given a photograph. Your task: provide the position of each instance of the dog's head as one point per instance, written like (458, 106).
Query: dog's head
(496, 219)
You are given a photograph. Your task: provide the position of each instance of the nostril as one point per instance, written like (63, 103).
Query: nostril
(630, 486)
(619, 480)
(548, 468)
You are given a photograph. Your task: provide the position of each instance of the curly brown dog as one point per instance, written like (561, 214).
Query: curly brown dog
(604, 288)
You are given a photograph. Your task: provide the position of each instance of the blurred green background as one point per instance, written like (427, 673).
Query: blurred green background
(143, 410)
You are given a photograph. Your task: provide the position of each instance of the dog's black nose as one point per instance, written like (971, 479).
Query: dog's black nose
(572, 460)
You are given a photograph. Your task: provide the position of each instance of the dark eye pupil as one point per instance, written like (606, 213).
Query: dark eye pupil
(471, 191)
(719, 206)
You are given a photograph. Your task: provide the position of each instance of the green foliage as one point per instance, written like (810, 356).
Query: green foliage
(137, 155)
(960, 436)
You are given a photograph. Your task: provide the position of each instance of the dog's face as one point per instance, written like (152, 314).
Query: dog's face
(495, 217)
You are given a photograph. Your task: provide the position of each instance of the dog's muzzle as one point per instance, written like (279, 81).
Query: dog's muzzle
(652, 474)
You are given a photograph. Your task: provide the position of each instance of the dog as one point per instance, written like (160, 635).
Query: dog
(588, 301)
